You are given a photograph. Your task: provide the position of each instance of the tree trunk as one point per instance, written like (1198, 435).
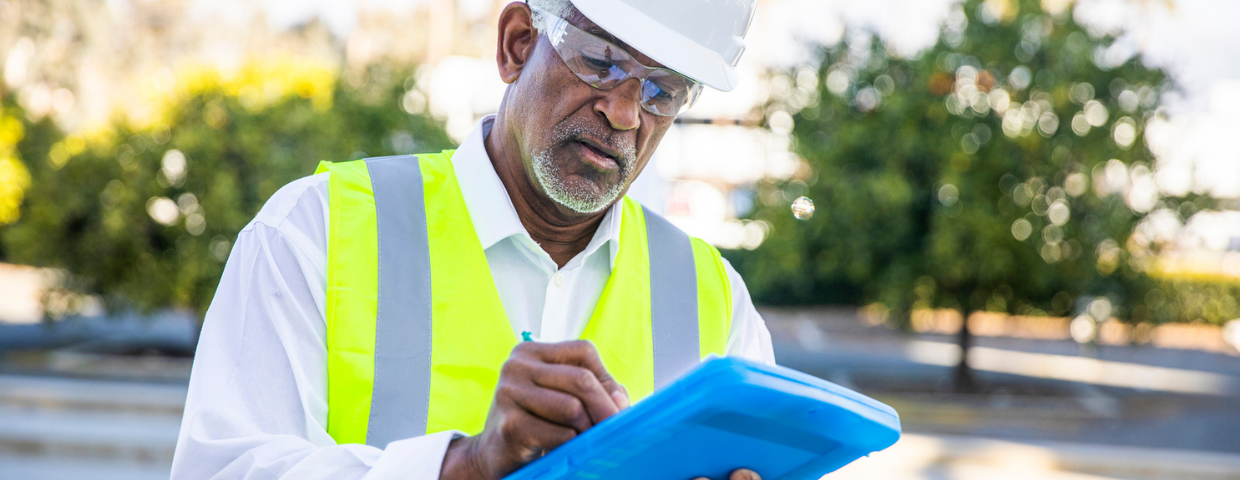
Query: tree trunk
(963, 380)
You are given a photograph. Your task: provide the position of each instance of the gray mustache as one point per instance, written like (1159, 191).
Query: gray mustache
(574, 131)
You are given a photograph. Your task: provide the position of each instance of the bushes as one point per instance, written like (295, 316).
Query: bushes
(143, 212)
(1192, 299)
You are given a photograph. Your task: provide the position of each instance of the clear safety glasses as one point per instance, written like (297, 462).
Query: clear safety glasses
(603, 65)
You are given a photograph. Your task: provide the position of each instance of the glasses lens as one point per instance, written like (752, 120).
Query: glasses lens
(659, 100)
(667, 93)
(604, 65)
(598, 64)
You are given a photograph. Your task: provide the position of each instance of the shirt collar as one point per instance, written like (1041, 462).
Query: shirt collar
(490, 207)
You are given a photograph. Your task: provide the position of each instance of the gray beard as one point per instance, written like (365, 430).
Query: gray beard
(575, 197)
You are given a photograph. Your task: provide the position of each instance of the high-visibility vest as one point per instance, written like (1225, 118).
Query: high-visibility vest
(416, 333)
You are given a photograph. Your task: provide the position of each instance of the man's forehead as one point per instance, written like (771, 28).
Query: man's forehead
(585, 24)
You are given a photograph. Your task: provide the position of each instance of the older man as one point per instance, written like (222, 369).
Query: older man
(458, 314)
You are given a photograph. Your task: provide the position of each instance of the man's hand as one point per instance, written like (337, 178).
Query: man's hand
(548, 393)
(739, 474)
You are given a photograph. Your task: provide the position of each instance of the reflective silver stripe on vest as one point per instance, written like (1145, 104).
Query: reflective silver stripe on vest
(402, 381)
(673, 300)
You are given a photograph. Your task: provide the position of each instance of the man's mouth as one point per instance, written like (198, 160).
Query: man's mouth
(597, 155)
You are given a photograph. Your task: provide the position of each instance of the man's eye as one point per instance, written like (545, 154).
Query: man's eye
(599, 57)
(658, 94)
(599, 63)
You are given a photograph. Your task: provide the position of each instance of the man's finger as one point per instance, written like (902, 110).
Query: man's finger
(744, 474)
(553, 405)
(583, 354)
(578, 382)
(621, 397)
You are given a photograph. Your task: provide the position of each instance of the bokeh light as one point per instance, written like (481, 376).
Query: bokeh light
(803, 208)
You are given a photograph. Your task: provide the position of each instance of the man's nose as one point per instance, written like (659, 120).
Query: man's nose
(621, 105)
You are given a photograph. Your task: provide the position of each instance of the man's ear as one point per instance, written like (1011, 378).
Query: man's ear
(517, 38)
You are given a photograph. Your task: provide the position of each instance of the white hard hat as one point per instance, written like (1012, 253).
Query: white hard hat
(700, 39)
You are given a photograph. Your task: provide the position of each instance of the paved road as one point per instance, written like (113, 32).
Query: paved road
(1032, 426)
(950, 457)
(912, 373)
(43, 467)
(70, 428)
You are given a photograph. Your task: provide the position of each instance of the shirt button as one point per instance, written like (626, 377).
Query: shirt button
(559, 279)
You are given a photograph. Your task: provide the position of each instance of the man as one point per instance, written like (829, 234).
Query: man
(370, 318)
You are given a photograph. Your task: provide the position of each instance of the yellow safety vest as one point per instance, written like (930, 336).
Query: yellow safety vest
(416, 333)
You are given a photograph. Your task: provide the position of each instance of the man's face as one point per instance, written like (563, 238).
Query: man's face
(582, 146)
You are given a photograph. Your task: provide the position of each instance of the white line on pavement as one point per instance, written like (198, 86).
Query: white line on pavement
(1075, 369)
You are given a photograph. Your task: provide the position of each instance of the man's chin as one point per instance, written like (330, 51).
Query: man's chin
(577, 188)
(582, 197)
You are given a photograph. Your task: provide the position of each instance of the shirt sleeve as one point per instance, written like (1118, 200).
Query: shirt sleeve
(257, 406)
(749, 338)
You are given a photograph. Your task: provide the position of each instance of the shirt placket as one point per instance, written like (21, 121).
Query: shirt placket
(555, 306)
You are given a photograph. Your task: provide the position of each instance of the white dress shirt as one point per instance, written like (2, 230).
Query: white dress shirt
(257, 405)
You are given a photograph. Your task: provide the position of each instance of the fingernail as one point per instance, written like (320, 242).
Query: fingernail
(622, 399)
(744, 474)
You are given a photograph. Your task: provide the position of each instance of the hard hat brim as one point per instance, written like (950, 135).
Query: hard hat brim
(663, 44)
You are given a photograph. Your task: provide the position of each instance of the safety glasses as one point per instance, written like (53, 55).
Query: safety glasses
(603, 65)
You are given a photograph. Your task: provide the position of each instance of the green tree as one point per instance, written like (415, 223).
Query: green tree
(14, 176)
(143, 213)
(21, 138)
(1004, 169)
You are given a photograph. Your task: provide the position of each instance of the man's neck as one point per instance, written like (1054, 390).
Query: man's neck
(561, 232)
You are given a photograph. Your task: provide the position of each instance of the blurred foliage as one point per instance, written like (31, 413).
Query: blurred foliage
(14, 177)
(1004, 169)
(1199, 299)
(20, 138)
(144, 210)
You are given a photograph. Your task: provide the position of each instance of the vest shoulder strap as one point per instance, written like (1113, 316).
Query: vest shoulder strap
(714, 291)
(375, 309)
(352, 298)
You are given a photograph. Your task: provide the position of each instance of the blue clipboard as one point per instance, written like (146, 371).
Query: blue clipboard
(726, 414)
